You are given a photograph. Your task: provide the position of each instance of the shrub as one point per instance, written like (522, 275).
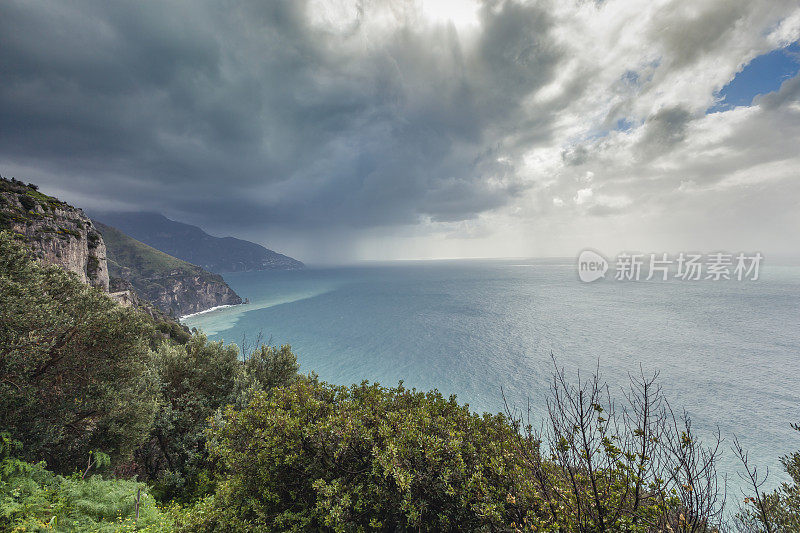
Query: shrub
(264, 369)
(34, 499)
(314, 455)
(775, 512)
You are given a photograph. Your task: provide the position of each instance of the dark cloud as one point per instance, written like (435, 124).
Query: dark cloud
(342, 128)
(663, 130)
(247, 112)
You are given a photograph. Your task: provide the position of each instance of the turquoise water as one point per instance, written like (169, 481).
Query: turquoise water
(727, 351)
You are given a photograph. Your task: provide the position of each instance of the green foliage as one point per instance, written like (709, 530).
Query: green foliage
(785, 502)
(197, 379)
(253, 446)
(29, 198)
(28, 203)
(173, 330)
(145, 261)
(34, 499)
(626, 466)
(195, 246)
(314, 455)
(265, 369)
(75, 368)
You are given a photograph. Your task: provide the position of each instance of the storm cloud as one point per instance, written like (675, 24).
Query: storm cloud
(368, 119)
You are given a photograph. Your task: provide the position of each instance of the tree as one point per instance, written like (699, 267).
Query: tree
(267, 368)
(75, 367)
(603, 467)
(198, 379)
(775, 512)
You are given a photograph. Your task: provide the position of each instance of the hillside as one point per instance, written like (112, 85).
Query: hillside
(192, 244)
(173, 285)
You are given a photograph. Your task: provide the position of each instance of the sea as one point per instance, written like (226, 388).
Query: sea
(491, 331)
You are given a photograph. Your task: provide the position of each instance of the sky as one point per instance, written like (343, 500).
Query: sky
(345, 130)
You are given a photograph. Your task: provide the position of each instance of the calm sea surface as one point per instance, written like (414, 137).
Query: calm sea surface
(728, 352)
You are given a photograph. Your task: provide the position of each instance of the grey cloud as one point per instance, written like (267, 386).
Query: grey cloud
(246, 111)
(692, 33)
(575, 155)
(663, 130)
(600, 210)
(788, 93)
(248, 117)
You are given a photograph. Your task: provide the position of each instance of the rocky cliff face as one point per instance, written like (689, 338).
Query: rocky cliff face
(182, 294)
(177, 294)
(55, 231)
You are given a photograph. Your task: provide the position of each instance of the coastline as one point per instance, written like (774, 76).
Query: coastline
(181, 318)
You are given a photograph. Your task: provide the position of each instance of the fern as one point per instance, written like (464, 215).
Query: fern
(34, 499)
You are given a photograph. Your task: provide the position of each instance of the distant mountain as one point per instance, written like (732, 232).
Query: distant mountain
(192, 244)
(172, 285)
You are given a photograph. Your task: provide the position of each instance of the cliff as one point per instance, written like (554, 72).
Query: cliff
(192, 244)
(55, 231)
(172, 285)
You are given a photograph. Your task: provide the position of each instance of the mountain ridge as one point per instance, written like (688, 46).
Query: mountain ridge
(194, 245)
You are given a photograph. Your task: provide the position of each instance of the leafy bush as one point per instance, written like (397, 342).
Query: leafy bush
(77, 374)
(252, 445)
(629, 466)
(264, 369)
(196, 379)
(314, 455)
(778, 511)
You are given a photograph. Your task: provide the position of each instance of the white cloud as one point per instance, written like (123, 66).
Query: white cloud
(582, 195)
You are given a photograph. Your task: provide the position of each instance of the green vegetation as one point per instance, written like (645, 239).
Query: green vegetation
(32, 196)
(84, 378)
(107, 424)
(34, 499)
(33, 205)
(313, 456)
(192, 244)
(778, 511)
(317, 456)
